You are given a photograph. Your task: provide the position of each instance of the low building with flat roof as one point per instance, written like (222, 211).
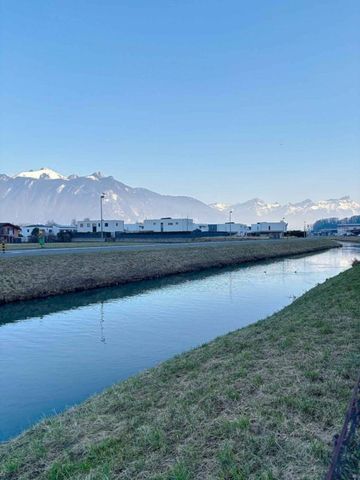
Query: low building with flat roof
(231, 228)
(168, 224)
(271, 229)
(94, 226)
(345, 229)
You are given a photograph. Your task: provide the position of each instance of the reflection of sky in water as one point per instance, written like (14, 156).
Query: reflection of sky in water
(73, 346)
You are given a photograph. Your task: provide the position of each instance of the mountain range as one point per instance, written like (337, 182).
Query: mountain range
(37, 196)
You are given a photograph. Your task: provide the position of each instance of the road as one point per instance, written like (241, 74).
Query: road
(122, 248)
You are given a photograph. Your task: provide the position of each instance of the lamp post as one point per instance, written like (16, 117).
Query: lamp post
(230, 220)
(102, 196)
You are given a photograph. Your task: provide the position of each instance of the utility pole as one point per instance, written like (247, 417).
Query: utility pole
(102, 196)
(230, 220)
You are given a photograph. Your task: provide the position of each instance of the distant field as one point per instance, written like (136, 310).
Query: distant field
(261, 403)
(349, 239)
(34, 277)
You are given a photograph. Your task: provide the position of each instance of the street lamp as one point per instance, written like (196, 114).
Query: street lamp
(102, 196)
(230, 219)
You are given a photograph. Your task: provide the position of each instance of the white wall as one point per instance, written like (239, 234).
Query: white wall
(203, 227)
(348, 229)
(169, 225)
(94, 226)
(238, 228)
(134, 227)
(268, 227)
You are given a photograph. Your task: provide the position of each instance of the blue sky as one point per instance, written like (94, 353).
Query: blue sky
(222, 100)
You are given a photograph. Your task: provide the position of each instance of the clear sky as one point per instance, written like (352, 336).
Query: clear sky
(222, 100)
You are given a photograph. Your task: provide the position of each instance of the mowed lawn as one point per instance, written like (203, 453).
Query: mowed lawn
(263, 402)
(30, 277)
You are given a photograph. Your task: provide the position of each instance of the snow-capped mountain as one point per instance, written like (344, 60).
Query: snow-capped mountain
(295, 214)
(45, 173)
(42, 195)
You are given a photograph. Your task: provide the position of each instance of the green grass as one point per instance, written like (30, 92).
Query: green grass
(29, 277)
(263, 403)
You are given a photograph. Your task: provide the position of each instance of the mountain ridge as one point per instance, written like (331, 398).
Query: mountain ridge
(43, 194)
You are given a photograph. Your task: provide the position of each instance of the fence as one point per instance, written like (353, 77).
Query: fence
(345, 462)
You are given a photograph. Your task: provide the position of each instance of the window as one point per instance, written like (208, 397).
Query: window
(88, 224)
(176, 223)
(106, 224)
(98, 225)
(170, 223)
(81, 225)
(269, 227)
(117, 224)
(154, 223)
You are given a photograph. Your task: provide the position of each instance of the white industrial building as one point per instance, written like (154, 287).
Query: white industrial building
(271, 229)
(168, 224)
(162, 225)
(134, 227)
(203, 227)
(347, 229)
(94, 226)
(230, 227)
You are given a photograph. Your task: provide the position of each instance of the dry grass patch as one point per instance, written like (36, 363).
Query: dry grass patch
(29, 277)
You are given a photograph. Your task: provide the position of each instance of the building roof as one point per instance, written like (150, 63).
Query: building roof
(7, 224)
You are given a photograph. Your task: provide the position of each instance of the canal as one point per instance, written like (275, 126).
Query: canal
(57, 352)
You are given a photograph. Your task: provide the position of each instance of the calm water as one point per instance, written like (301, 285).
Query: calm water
(57, 352)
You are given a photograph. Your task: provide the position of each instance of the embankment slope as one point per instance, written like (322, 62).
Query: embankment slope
(29, 277)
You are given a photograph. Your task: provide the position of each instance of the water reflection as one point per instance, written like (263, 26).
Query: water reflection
(42, 307)
(102, 335)
(56, 352)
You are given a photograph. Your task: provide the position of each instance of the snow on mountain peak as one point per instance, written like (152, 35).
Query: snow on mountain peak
(221, 207)
(79, 195)
(42, 173)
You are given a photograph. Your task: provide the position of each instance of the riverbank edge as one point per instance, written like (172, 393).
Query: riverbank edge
(30, 278)
(244, 403)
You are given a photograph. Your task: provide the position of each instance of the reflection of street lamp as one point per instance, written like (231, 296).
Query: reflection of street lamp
(102, 337)
(230, 220)
(102, 196)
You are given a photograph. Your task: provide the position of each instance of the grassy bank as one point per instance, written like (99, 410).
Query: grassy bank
(48, 246)
(25, 277)
(262, 402)
(122, 241)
